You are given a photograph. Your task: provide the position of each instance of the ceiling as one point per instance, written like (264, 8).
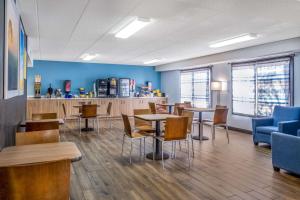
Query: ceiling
(181, 29)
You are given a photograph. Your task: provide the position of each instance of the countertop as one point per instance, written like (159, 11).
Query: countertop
(44, 98)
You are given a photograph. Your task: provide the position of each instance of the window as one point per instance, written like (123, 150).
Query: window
(195, 87)
(258, 86)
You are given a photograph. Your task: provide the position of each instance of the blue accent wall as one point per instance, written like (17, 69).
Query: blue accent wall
(84, 74)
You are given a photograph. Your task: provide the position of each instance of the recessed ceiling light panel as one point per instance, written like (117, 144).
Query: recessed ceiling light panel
(234, 40)
(88, 57)
(151, 61)
(132, 27)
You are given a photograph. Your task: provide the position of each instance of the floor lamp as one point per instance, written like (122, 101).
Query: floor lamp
(216, 86)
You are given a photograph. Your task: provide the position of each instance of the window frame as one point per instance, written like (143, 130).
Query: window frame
(209, 68)
(291, 80)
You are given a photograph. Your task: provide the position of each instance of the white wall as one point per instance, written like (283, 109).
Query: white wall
(170, 82)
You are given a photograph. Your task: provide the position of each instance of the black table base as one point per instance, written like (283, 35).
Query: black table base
(157, 152)
(197, 137)
(157, 156)
(87, 129)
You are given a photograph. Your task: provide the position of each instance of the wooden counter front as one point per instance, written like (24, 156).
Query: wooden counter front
(119, 105)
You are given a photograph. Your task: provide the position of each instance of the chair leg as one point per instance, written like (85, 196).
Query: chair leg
(179, 145)
(227, 133)
(192, 146)
(123, 145)
(140, 148)
(130, 151)
(188, 145)
(153, 145)
(80, 126)
(97, 125)
(213, 132)
(172, 150)
(162, 154)
(110, 123)
(144, 147)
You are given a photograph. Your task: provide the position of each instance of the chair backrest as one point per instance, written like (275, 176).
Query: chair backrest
(187, 104)
(40, 116)
(190, 116)
(282, 113)
(127, 126)
(41, 125)
(64, 110)
(220, 116)
(89, 110)
(180, 110)
(108, 111)
(46, 180)
(176, 105)
(85, 102)
(139, 122)
(220, 106)
(37, 137)
(152, 107)
(176, 128)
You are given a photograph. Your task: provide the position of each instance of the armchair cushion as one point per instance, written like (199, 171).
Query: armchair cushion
(267, 129)
(282, 113)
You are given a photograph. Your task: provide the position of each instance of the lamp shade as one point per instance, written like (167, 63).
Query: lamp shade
(216, 86)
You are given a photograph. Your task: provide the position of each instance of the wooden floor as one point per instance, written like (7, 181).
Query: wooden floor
(238, 170)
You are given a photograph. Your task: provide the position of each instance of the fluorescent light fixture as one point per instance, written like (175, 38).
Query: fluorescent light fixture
(132, 27)
(151, 61)
(88, 57)
(234, 40)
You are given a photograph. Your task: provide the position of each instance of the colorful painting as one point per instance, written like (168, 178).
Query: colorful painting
(22, 67)
(11, 51)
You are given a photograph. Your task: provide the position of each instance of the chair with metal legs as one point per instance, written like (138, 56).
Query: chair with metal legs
(219, 120)
(89, 111)
(175, 130)
(133, 135)
(190, 116)
(107, 115)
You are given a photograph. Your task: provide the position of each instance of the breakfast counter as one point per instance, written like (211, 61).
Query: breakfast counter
(119, 105)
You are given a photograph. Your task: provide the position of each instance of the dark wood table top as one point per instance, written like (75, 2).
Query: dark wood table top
(60, 121)
(165, 104)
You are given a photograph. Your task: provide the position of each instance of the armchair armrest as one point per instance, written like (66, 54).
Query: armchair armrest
(298, 134)
(289, 127)
(266, 121)
(285, 151)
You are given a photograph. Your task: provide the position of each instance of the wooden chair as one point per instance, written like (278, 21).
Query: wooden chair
(175, 130)
(219, 120)
(37, 137)
(42, 125)
(47, 181)
(141, 124)
(133, 135)
(41, 116)
(154, 110)
(161, 108)
(176, 106)
(190, 116)
(187, 104)
(89, 111)
(107, 115)
(65, 117)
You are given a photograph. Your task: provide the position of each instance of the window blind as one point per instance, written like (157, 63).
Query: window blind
(195, 87)
(259, 86)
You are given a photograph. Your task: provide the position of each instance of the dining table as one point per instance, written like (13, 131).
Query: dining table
(200, 135)
(60, 121)
(31, 171)
(167, 105)
(86, 127)
(157, 118)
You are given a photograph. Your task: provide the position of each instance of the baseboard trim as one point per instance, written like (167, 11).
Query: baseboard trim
(239, 130)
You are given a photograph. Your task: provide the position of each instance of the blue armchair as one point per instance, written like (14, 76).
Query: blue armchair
(285, 152)
(284, 120)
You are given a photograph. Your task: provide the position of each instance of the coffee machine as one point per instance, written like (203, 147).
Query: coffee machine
(102, 87)
(112, 87)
